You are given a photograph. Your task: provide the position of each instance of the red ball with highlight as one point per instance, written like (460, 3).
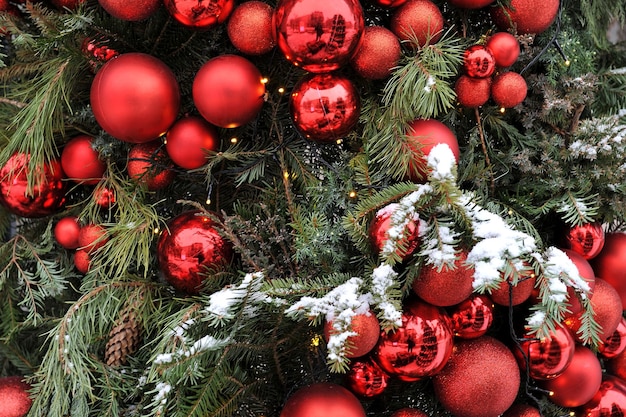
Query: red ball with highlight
(189, 141)
(323, 399)
(250, 28)
(423, 135)
(81, 162)
(66, 232)
(366, 379)
(526, 16)
(199, 15)
(504, 47)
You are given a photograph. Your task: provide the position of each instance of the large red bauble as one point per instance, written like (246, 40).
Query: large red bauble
(526, 16)
(409, 412)
(81, 162)
(323, 399)
(367, 329)
(615, 344)
(130, 10)
(504, 47)
(366, 379)
(609, 401)
(199, 15)
(470, 4)
(16, 400)
(473, 317)
(135, 97)
(189, 248)
(478, 62)
(512, 295)
(422, 136)
(610, 264)
(481, 379)
(419, 19)
(228, 91)
(149, 164)
(548, 357)
(447, 286)
(379, 232)
(586, 272)
(586, 239)
(472, 92)
(508, 89)
(420, 347)
(189, 141)
(318, 35)
(579, 382)
(378, 54)
(522, 410)
(324, 107)
(46, 196)
(66, 232)
(250, 28)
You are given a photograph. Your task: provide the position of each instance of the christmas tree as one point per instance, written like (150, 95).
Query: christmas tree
(313, 207)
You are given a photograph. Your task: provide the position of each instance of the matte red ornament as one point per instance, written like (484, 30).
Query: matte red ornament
(526, 16)
(610, 264)
(198, 14)
(504, 47)
(378, 54)
(66, 232)
(189, 248)
(135, 97)
(422, 136)
(130, 10)
(228, 91)
(81, 162)
(508, 89)
(579, 382)
(148, 164)
(473, 317)
(586, 240)
(47, 195)
(92, 237)
(366, 379)
(609, 401)
(481, 379)
(379, 232)
(323, 399)
(446, 286)
(189, 141)
(615, 344)
(324, 107)
(420, 347)
(82, 260)
(548, 357)
(367, 329)
(104, 196)
(470, 4)
(318, 35)
(478, 62)
(522, 410)
(419, 19)
(251, 29)
(15, 397)
(409, 412)
(586, 272)
(512, 295)
(472, 92)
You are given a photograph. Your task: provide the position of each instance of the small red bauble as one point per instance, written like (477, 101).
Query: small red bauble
(548, 357)
(473, 317)
(509, 89)
(318, 35)
(512, 295)
(228, 91)
(149, 164)
(481, 379)
(323, 400)
(98, 53)
(130, 10)
(135, 97)
(447, 286)
(367, 329)
(104, 197)
(419, 19)
(409, 412)
(189, 248)
(324, 107)
(522, 410)
(250, 28)
(470, 4)
(366, 379)
(15, 397)
(378, 54)
(81, 162)
(189, 141)
(478, 62)
(422, 136)
(82, 260)
(609, 401)
(472, 92)
(379, 232)
(526, 16)
(615, 344)
(586, 239)
(66, 232)
(610, 264)
(92, 237)
(504, 47)
(46, 197)
(199, 15)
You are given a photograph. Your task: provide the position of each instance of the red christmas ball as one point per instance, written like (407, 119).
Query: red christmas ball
(323, 400)
(16, 400)
(148, 164)
(366, 379)
(420, 347)
(586, 272)
(131, 11)
(615, 344)
(423, 135)
(199, 15)
(470, 4)
(97, 52)
(522, 410)
(189, 140)
(447, 286)
(509, 89)
(419, 19)
(378, 54)
(135, 97)
(324, 107)
(548, 357)
(228, 91)
(379, 232)
(189, 248)
(586, 240)
(81, 162)
(409, 412)
(367, 329)
(512, 295)
(66, 232)
(526, 16)
(481, 379)
(82, 260)
(609, 401)
(478, 62)
(617, 365)
(104, 197)
(472, 92)
(473, 317)
(389, 3)
(579, 382)
(318, 35)
(610, 264)
(504, 47)
(250, 28)
(92, 237)
(47, 195)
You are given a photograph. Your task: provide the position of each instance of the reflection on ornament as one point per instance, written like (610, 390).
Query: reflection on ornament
(610, 264)
(586, 239)
(199, 15)
(609, 401)
(615, 344)
(473, 317)
(548, 357)
(365, 378)
(478, 62)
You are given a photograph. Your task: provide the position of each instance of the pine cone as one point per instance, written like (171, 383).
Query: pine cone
(123, 339)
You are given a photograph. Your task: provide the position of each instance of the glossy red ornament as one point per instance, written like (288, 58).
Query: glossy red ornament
(47, 195)
(512, 295)
(419, 19)
(522, 410)
(92, 237)
(251, 29)
(97, 52)
(228, 91)
(473, 317)
(472, 92)
(609, 401)
(617, 365)
(198, 14)
(526, 16)
(81, 162)
(478, 62)
(420, 347)
(135, 97)
(409, 412)
(422, 136)
(615, 344)
(189, 248)
(481, 379)
(324, 107)
(470, 4)
(15, 397)
(546, 358)
(508, 89)
(189, 141)
(66, 232)
(446, 286)
(610, 264)
(322, 399)
(379, 232)
(130, 10)
(586, 240)
(148, 164)
(82, 260)
(366, 379)
(104, 196)
(504, 47)
(367, 329)
(586, 272)
(378, 54)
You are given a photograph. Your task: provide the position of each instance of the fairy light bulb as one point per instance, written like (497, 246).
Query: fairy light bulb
(234, 140)
(352, 194)
(281, 90)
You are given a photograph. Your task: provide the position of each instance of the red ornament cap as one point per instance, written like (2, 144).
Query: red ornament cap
(478, 62)
(199, 15)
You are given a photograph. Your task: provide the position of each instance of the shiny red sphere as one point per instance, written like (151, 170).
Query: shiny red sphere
(323, 399)
(472, 92)
(445, 286)
(586, 239)
(367, 329)
(189, 141)
(366, 379)
(504, 47)
(478, 62)
(508, 89)
(546, 358)
(609, 401)
(104, 196)
(132, 11)
(473, 317)
(610, 264)
(81, 162)
(617, 365)
(148, 164)
(16, 400)
(419, 19)
(526, 16)
(251, 29)
(199, 15)
(379, 232)
(423, 135)
(615, 344)
(470, 4)
(378, 54)
(66, 232)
